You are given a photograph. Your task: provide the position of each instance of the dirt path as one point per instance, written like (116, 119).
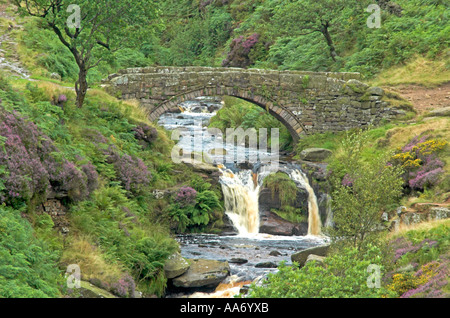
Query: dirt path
(9, 60)
(425, 99)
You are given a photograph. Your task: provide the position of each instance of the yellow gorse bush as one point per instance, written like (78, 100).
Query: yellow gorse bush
(402, 282)
(411, 158)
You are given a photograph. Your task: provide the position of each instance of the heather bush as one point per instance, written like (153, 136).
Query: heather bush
(125, 287)
(192, 210)
(423, 169)
(426, 253)
(145, 133)
(240, 49)
(186, 196)
(34, 166)
(132, 172)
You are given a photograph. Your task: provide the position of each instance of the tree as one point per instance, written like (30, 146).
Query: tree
(297, 18)
(369, 187)
(92, 29)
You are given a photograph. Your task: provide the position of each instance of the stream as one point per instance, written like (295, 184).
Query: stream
(250, 254)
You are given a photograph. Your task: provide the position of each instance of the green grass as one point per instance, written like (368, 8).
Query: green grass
(419, 71)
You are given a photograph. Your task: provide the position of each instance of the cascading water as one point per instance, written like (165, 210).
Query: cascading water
(241, 191)
(314, 222)
(241, 196)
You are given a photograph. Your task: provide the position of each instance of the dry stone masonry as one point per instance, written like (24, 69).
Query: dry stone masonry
(305, 102)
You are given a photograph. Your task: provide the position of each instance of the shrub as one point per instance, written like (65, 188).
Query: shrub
(28, 268)
(419, 159)
(280, 183)
(132, 172)
(240, 49)
(344, 275)
(186, 196)
(145, 133)
(362, 190)
(34, 166)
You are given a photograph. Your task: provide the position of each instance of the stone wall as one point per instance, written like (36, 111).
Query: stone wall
(303, 101)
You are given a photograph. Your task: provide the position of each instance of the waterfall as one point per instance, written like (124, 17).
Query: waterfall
(314, 222)
(241, 195)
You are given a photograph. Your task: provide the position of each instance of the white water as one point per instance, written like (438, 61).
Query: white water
(241, 195)
(314, 222)
(241, 190)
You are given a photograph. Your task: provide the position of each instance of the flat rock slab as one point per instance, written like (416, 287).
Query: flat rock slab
(203, 273)
(315, 154)
(175, 266)
(302, 256)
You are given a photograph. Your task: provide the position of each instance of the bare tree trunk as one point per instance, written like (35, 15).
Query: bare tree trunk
(81, 85)
(330, 43)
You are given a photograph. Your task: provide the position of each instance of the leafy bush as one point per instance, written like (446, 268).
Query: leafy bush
(192, 210)
(362, 190)
(343, 275)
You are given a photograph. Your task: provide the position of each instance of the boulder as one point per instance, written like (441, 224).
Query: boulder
(199, 166)
(316, 258)
(268, 200)
(440, 112)
(175, 266)
(301, 256)
(55, 76)
(238, 260)
(315, 154)
(375, 91)
(266, 265)
(87, 290)
(203, 273)
(270, 223)
(354, 86)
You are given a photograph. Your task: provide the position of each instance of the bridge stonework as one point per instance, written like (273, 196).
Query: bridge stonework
(305, 102)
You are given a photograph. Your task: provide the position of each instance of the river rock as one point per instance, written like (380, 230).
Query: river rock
(199, 166)
(87, 290)
(238, 260)
(441, 112)
(203, 273)
(301, 256)
(272, 224)
(266, 265)
(315, 154)
(175, 266)
(275, 253)
(316, 258)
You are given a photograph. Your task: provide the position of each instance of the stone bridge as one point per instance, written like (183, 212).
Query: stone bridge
(305, 102)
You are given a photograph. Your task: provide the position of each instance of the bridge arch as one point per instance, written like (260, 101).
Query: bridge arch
(282, 114)
(305, 102)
